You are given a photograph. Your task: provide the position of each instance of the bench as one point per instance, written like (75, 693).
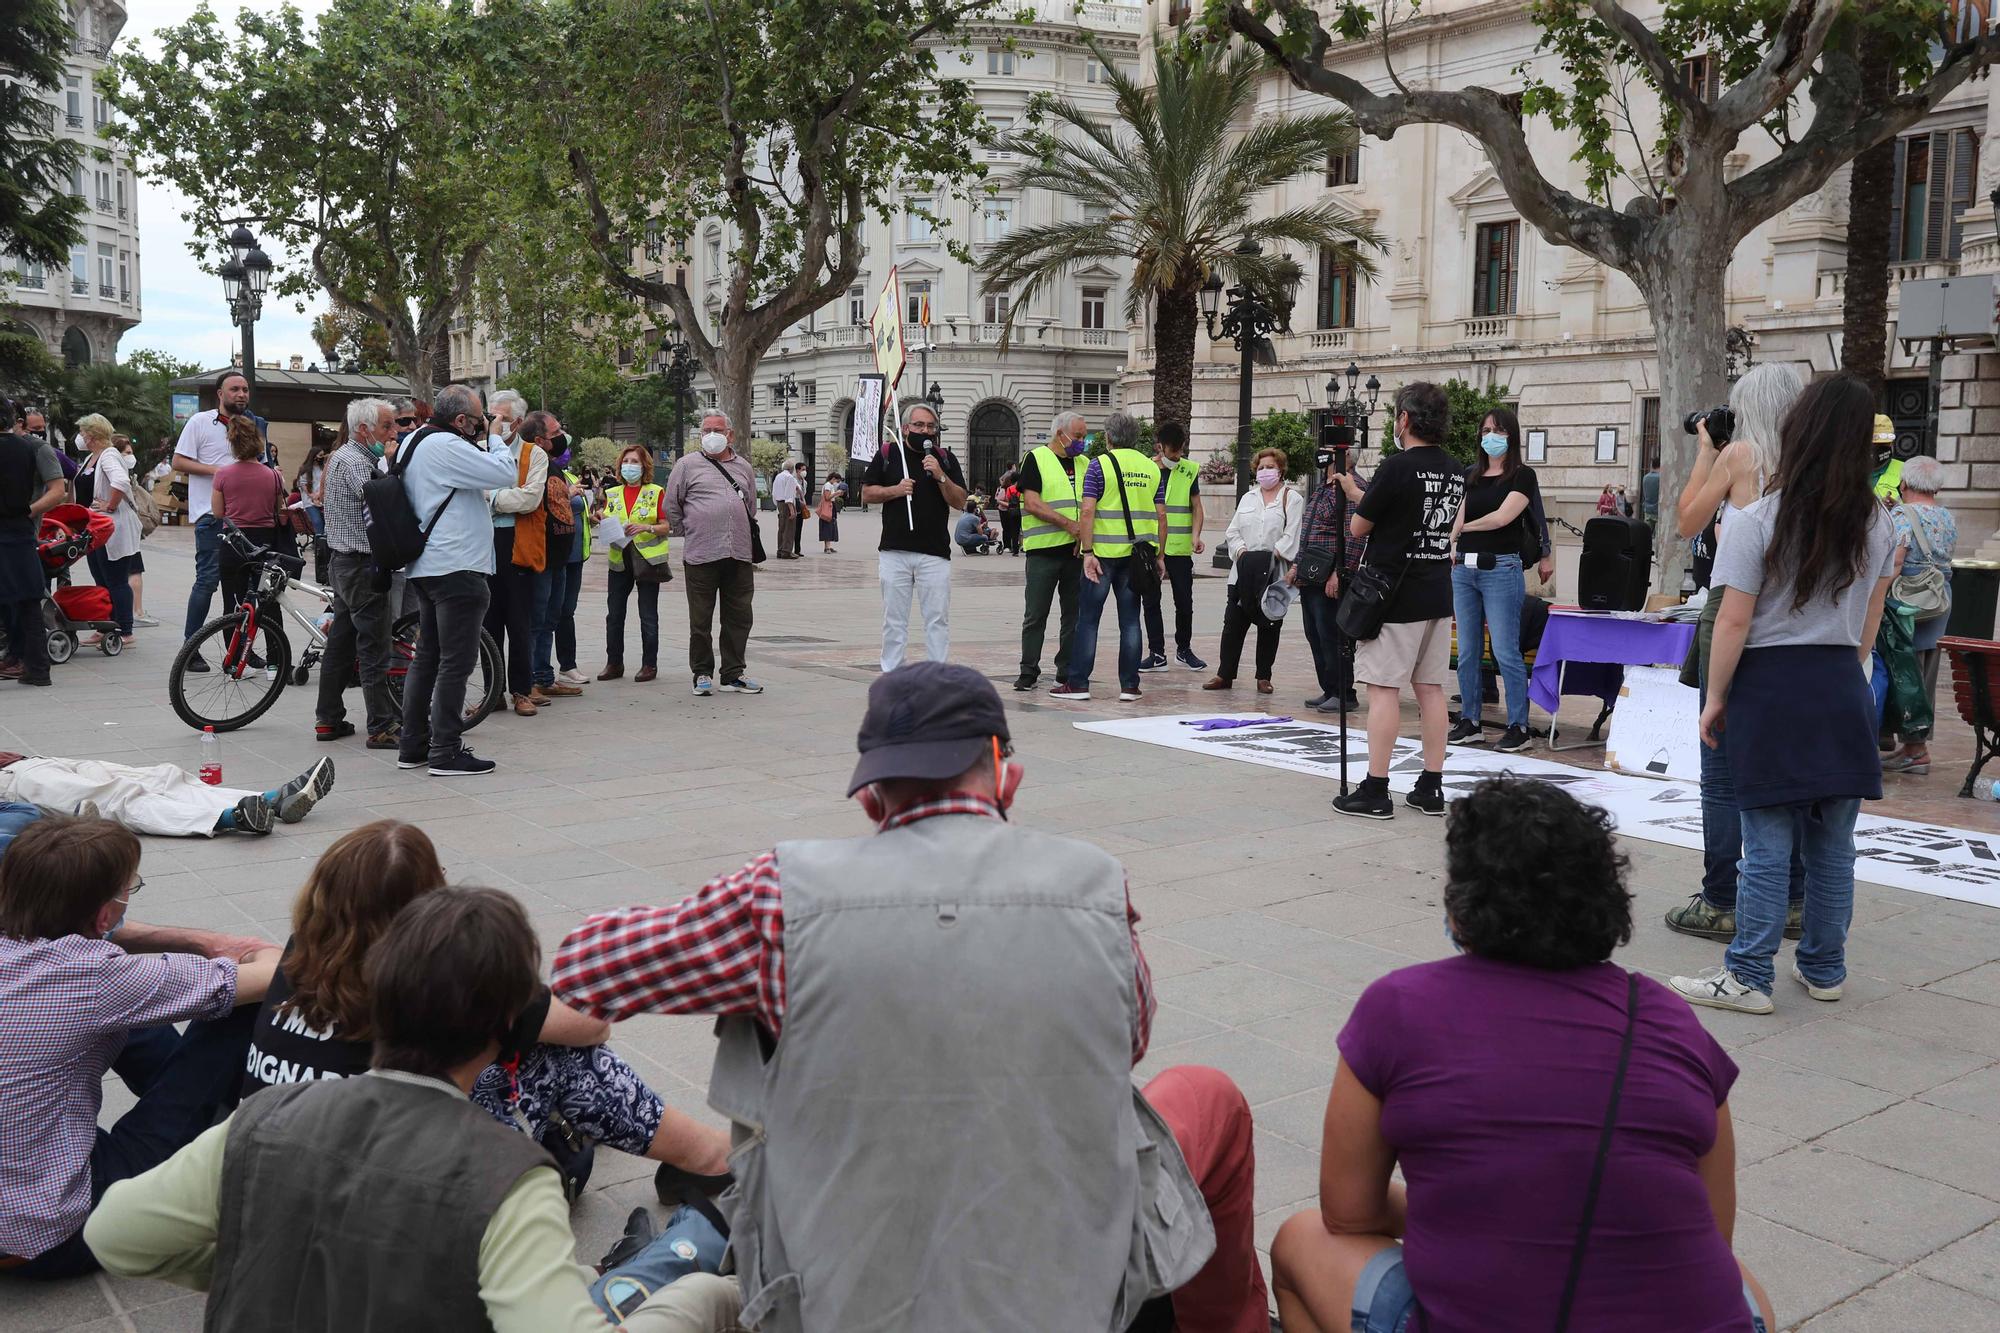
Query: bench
(1975, 677)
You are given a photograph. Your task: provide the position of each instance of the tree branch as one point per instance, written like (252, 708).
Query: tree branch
(672, 295)
(1666, 72)
(1801, 36)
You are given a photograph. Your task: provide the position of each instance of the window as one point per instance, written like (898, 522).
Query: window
(76, 181)
(1649, 431)
(999, 218)
(1934, 180)
(1002, 127)
(107, 270)
(1702, 76)
(121, 194)
(996, 305)
(32, 274)
(857, 305)
(1096, 213)
(921, 230)
(79, 262)
(708, 396)
(74, 102)
(124, 275)
(1178, 12)
(1344, 168)
(999, 61)
(714, 255)
(809, 392)
(1336, 292)
(1093, 307)
(624, 356)
(1092, 71)
(916, 302)
(1090, 393)
(1496, 255)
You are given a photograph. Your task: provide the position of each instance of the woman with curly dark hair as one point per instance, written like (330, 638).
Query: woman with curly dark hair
(1562, 1124)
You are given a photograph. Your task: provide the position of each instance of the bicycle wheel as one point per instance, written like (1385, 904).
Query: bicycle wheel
(482, 688)
(243, 678)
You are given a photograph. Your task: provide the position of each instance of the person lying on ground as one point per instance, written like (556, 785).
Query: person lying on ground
(161, 799)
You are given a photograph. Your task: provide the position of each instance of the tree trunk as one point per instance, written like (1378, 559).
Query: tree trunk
(1174, 322)
(1864, 345)
(1684, 286)
(735, 376)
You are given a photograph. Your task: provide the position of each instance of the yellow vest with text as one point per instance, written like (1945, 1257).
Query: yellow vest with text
(582, 524)
(1141, 475)
(1062, 491)
(647, 511)
(1180, 507)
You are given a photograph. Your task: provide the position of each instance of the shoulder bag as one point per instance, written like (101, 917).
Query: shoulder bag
(147, 508)
(1145, 566)
(757, 556)
(1928, 590)
(1365, 607)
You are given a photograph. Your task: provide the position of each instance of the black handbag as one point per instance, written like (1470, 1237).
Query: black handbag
(1314, 568)
(1365, 608)
(1145, 566)
(757, 556)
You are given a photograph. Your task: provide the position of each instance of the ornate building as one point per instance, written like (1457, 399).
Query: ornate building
(82, 309)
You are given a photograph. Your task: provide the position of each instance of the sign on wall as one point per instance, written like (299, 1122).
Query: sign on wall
(185, 406)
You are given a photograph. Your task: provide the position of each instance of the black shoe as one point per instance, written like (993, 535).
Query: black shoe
(1317, 700)
(254, 814)
(1370, 800)
(36, 680)
(1463, 731)
(1024, 682)
(673, 1184)
(639, 1233)
(1332, 704)
(407, 761)
(1186, 658)
(1156, 662)
(463, 764)
(297, 797)
(1516, 738)
(1426, 797)
(196, 663)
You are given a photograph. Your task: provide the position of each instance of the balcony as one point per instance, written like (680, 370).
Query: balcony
(1329, 340)
(75, 120)
(104, 205)
(106, 290)
(1105, 14)
(124, 296)
(1486, 329)
(122, 212)
(1095, 337)
(79, 286)
(32, 281)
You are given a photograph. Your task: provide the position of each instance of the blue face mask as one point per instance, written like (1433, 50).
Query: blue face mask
(1494, 445)
(631, 472)
(1453, 938)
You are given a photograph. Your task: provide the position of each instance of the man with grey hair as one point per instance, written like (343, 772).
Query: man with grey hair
(1050, 481)
(361, 611)
(920, 489)
(710, 503)
(1119, 530)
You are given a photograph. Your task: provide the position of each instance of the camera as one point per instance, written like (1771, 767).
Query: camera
(1721, 424)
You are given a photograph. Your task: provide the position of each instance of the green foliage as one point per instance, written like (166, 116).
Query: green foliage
(164, 365)
(598, 452)
(767, 456)
(39, 218)
(1469, 407)
(28, 371)
(136, 402)
(348, 336)
(1288, 431)
(1219, 470)
(574, 380)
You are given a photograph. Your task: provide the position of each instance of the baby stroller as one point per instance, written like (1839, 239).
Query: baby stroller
(69, 533)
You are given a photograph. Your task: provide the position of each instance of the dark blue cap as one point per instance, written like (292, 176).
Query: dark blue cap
(925, 722)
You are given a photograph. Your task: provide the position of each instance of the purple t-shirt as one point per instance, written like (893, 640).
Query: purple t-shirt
(1494, 1079)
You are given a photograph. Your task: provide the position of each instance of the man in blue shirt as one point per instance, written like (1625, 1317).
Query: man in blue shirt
(447, 469)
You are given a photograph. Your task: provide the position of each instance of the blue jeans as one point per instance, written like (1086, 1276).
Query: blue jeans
(1823, 832)
(1117, 578)
(562, 604)
(543, 607)
(1722, 834)
(207, 572)
(1487, 601)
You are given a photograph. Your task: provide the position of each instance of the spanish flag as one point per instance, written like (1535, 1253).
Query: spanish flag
(924, 312)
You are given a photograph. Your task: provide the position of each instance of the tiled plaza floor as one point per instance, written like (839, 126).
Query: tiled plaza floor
(1868, 1131)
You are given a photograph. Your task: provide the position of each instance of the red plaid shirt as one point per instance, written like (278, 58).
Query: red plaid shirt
(722, 951)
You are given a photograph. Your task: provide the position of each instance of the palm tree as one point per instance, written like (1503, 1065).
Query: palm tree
(1177, 187)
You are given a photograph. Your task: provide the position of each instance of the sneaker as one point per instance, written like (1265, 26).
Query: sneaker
(1463, 731)
(1068, 691)
(405, 762)
(573, 677)
(1698, 917)
(1795, 920)
(464, 764)
(1024, 682)
(741, 685)
(297, 797)
(391, 739)
(197, 663)
(1154, 662)
(1190, 661)
(1334, 704)
(702, 684)
(1428, 799)
(1514, 740)
(639, 1233)
(1367, 801)
(144, 622)
(1129, 696)
(1718, 988)
(254, 814)
(333, 731)
(1828, 994)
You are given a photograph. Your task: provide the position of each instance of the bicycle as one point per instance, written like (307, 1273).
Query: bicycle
(253, 662)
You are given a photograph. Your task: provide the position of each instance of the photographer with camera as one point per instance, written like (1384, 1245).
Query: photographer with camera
(1738, 456)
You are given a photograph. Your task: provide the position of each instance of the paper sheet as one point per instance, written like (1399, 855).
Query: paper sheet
(610, 532)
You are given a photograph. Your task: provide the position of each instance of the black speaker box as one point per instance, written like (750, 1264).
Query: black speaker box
(1616, 571)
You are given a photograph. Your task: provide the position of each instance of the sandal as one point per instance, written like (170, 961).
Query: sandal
(1908, 763)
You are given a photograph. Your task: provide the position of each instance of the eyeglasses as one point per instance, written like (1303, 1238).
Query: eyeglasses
(126, 900)
(406, 421)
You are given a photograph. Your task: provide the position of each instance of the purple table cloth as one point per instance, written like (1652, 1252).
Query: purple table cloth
(1605, 641)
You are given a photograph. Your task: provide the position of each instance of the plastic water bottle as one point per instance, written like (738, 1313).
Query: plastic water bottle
(324, 624)
(1986, 789)
(211, 757)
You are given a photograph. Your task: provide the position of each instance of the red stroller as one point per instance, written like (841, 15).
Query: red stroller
(69, 533)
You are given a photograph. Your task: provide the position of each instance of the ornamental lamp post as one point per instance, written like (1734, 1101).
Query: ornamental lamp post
(788, 389)
(1247, 322)
(245, 275)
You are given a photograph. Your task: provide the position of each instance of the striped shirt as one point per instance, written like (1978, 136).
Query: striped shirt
(350, 467)
(722, 951)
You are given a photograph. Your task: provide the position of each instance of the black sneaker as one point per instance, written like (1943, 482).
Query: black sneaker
(1333, 704)
(1429, 799)
(297, 797)
(1187, 659)
(1516, 738)
(463, 764)
(196, 663)
(1024, 682)
(1463, 731)
(1370, 800)
(1156, 662)
(408, 757)
(1317, 700)
(254, 814)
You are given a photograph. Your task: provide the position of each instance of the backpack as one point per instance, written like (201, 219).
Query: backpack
(395, 537)
(147, 508)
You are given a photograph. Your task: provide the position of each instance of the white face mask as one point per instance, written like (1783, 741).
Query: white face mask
(714, 442)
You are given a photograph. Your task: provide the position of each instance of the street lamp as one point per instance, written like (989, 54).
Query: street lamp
(676, 363)
(245, 274)
(788, 389)
(1247, 322)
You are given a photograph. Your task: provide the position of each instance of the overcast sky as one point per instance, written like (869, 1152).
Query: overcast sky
(184, 312)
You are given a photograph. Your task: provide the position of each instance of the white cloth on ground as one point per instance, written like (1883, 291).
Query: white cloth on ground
(162, 799)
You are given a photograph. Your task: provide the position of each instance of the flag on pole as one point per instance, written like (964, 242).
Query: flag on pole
(925, 313)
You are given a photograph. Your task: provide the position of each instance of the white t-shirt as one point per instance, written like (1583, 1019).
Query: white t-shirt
(112, 475)
(205, 439)
(785, 488)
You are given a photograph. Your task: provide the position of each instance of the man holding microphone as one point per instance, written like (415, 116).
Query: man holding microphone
(920, 492)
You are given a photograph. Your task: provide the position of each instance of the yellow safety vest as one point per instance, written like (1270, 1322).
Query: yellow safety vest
(1062, 491)
(583, 524)
(1888, 479)
(1142, 488)
(647, 511)
(1180, 507)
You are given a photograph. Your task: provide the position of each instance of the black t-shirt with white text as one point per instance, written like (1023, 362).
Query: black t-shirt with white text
(1413, 501)
(932, 532)
(1485, 494)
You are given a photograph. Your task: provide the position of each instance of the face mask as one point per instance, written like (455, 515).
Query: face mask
(1072, 448)
(1494, 445)
(921, 439)
(375, 450)
(714, 443)
(631, 472)
(559, 444)
(1267, 477)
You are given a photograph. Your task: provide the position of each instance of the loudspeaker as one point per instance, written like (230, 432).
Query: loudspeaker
(1617, 566)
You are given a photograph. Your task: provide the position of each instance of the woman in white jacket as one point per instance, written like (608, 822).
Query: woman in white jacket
(1262, 535)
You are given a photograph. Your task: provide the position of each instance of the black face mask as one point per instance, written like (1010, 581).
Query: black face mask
(921, 439)
(559, 443)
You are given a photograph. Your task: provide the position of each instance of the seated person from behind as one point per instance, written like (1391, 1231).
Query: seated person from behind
(1487, 1078)
(388, 1201)
(83, 991)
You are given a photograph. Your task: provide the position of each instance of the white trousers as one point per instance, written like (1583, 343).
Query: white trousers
(697, 1303)
(164, 799)
(928, 578)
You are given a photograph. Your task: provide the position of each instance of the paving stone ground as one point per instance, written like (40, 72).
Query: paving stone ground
(1868, 1131)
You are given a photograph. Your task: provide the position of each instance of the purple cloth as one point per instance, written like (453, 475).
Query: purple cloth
(1600, 639)
(1231, 723)
(1494, 1078)
(1093, 481)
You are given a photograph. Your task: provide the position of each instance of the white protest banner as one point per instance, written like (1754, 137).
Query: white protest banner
(887, 327)
(866, 441)
(1923, 858)
(1655, 730)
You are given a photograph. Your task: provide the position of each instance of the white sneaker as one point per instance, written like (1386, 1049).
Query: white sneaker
(573, 677)
(1718, 988)
(1128, 696)
(1826, 993)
